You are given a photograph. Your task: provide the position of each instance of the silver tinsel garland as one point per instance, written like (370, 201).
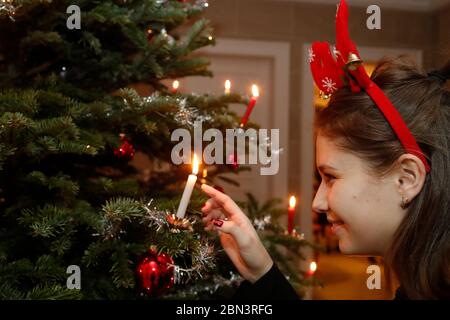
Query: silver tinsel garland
(261, 224)
(214, 283)
(202, 260)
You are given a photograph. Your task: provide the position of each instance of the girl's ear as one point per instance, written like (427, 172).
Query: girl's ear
(411, 176)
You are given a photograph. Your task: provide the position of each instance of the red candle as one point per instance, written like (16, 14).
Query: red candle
(255, 95)
(312, 269)
(175, 86)
(291, 214)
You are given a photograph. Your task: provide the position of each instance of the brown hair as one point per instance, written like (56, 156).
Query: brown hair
(419, 254)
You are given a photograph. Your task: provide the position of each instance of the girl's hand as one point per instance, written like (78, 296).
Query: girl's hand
(237, 235)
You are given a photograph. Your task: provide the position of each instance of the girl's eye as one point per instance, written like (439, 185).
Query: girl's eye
(328, 177)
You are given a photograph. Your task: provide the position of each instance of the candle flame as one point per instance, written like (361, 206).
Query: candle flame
(292, 202)
(255, 91)
(313, 267)
(176, 84)
(195, 164)
(205, 173)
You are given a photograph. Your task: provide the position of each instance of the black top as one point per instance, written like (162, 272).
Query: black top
(273, 285)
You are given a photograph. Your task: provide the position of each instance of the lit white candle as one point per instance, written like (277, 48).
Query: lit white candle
(227, 86)
(190, 184)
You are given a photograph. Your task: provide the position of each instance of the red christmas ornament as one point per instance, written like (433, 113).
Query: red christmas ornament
(125, 150)
(156, 273)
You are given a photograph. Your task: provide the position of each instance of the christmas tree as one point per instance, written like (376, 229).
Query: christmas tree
(83, 88)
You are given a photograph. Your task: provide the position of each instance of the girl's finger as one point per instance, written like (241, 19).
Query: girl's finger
(228, 205)
(209, 227)
(214, 214)
(209, 205)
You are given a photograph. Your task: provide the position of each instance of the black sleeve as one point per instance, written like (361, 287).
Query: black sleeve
(273, 285)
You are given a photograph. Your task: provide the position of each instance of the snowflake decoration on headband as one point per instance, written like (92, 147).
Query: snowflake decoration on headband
(329, 85)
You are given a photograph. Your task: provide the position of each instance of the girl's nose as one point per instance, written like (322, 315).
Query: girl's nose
(320, 203)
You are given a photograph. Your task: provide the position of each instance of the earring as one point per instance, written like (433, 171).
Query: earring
(404, 203)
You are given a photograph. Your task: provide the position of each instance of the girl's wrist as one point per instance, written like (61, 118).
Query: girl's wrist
(266, 268)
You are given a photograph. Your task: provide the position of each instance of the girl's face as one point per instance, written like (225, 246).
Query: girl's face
(364, 211)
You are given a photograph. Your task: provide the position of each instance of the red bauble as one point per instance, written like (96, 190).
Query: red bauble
(125, 150)
(156, 273)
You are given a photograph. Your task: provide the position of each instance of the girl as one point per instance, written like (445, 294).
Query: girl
(383, 153)
(380, 199)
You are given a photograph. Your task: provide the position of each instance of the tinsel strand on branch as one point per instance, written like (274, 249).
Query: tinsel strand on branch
(203, 259)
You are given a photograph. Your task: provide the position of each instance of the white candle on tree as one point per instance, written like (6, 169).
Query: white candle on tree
(190, 184)
(227, 86)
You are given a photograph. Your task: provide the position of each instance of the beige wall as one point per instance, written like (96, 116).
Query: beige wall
(299, 23)
(443, 37)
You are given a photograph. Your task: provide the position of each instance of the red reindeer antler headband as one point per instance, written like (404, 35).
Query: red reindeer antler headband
(331, 73)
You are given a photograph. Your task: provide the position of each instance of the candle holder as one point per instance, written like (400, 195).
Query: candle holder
(177, 225)
(295, 234)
